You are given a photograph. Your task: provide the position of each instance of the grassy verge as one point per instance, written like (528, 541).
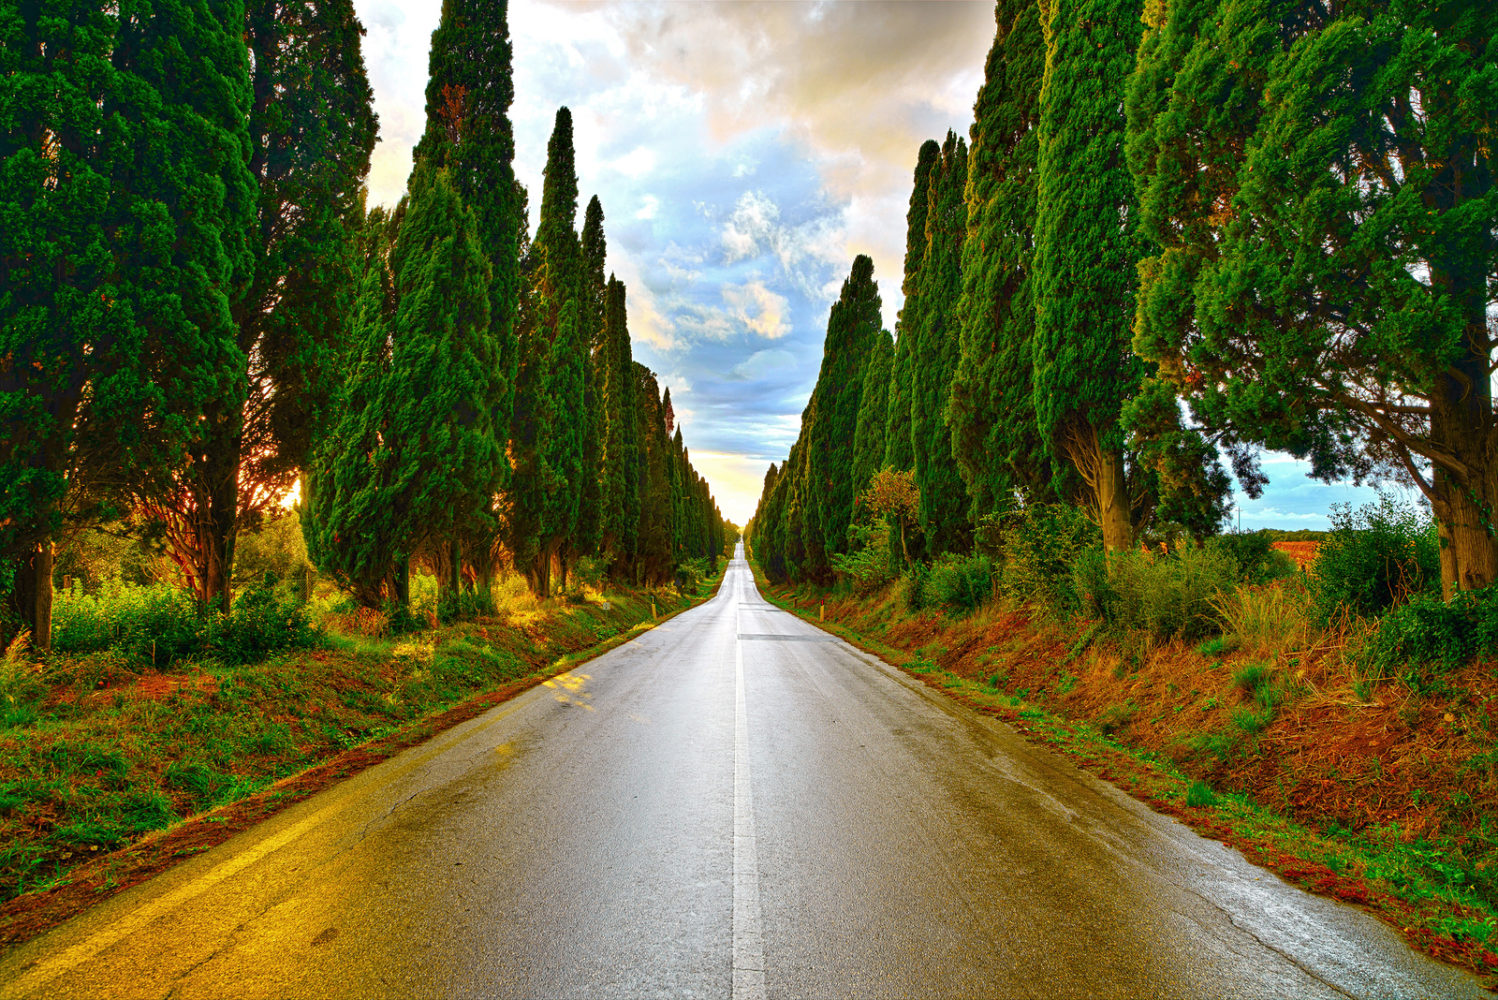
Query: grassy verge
(116, 774)
(1364, 790)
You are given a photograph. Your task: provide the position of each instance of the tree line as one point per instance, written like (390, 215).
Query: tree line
(1180, 231)
(197, 311)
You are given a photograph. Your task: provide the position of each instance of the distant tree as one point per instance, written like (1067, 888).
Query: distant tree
(899, 447)
(655, 560)
(1085, 255)
(116, 275)
(589, 531)
(622, 461)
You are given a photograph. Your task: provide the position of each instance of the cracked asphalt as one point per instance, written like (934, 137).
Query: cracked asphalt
(734, 804)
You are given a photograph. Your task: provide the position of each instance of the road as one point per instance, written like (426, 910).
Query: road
(733, 805)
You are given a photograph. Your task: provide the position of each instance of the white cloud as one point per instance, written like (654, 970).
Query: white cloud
(649, 206)
(762, 363)
(636, 163)
(760, 310)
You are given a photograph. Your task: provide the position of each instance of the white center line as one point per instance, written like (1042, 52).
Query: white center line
(748, 943)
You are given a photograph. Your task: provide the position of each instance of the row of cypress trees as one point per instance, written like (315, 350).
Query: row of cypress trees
(196, 310)
(1183, 230)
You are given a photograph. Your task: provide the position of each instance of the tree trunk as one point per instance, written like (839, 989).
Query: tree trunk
(32, 595)
(449, 570)
(214, 521)
(1113, 501)
(402, 583)
(1474, 551)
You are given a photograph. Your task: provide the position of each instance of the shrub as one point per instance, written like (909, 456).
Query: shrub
(958, 583)
(261, 623)
(1275, 615)
(1374, 559)
(1430, 632)
(1041, 543)
(1254, 554)
(867, 565)
(1167, 597)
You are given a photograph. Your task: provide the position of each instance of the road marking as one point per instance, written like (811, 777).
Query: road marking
(748, 942)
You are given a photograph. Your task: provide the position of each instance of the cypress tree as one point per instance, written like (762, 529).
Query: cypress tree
(469, 92)
(346, 518)
(1349, 289)
(992, 409)
(116, 273)
(621, 458)
(312, 129)
(831, 419)
(590, 511)
(933, 360)
(549, 418)
(1084, 252)
(873, 409)
(898, 452)
(657, 529)
(445, 457)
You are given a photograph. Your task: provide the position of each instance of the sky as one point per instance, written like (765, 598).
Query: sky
(743, 154)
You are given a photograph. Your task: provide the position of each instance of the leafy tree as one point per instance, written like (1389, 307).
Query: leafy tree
(898, 445)
(1084, 252)
(831, 418)
(116, 274)
(1331, 287)
(934, 354)
(992, 409)
(311, 130)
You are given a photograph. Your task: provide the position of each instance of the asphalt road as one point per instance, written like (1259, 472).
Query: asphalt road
(735, 804)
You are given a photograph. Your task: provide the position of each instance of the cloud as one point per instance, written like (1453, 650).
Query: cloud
(762, 363)
(760, 310)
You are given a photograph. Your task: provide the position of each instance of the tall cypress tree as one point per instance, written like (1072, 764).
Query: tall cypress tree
(992, 411)
(1084, 251)
(933, 360)
(346, 518)
(898, 445)
(116, 273)
(445, 457)
(873, 409)
(831, 419)
(621, 458)
(595, 294)
(549, 417)
(657, 529)
(312, 129)
(469, 92)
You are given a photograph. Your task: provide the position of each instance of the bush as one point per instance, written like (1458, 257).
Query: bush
(958, 583)
(1168, 596)
(1041, 544)
(867, 565)
(1375, 559)
(1254, 554)
(1430, 632)
(261, 623)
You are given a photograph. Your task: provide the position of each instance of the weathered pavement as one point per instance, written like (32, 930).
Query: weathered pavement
(734, 804)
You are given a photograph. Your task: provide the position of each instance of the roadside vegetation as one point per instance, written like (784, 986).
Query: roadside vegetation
(148, 711)
(1337, 722)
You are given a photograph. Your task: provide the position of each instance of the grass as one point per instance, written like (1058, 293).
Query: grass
(100, 751)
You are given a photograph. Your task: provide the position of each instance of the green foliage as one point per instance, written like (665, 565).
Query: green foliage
(157, 625)
(126, 206)
(899, 450)
(956, 584)
(873, 413)
(1166, 596)
(1041, 544)
(1252, 551)
(866, 565)
(1199, 795)
(1084, 251)
(1430, 632)
(934, 350)
(1379, 556)
(992, 410)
